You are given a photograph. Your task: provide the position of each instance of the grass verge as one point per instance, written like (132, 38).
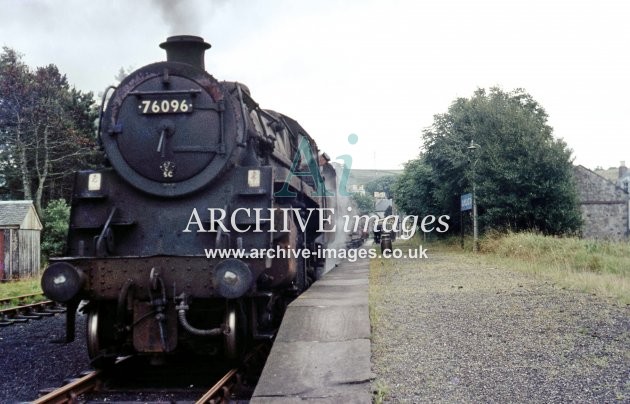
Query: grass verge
(18, 288)
(593, 266)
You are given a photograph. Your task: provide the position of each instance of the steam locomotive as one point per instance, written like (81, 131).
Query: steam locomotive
(182, 146)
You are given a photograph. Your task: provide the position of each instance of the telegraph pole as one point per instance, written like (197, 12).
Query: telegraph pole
(473, 146)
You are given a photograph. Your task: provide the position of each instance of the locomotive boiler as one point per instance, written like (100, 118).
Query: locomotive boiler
(182, 146)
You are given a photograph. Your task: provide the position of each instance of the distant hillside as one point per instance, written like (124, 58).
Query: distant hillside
(362, 177)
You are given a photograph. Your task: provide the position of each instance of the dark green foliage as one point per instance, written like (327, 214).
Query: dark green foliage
(523, 175)
(413, 189)
(46, 131)
(56, 218)
(364, 203)
(382, 184)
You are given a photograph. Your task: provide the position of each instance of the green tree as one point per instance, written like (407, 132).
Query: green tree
(364, 203)
(56, 218)
(46, 130)
(523, 175)
(14, 98)
(413, 188)
(382, 184)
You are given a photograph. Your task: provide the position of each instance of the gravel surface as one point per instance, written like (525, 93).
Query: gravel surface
(30, 361)
(448, 330)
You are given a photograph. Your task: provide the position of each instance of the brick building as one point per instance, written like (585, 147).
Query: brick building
(605, 204)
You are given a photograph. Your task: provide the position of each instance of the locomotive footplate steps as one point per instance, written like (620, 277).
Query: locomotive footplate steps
(322, 351)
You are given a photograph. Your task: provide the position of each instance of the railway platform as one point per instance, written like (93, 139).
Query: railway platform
(322, 351)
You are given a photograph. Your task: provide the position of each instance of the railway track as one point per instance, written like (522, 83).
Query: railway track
(92, 382)
(25, 312)
(95, 382)
(71, 391)
(7, 300)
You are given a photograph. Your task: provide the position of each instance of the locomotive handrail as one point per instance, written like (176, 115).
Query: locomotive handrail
(100, 248)
(100, 115)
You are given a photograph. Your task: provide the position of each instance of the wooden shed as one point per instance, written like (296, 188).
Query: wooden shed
(20, 230)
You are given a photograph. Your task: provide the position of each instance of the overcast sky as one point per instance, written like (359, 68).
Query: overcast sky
(379, 69)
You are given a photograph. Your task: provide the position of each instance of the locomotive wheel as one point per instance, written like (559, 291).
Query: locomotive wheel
(235, 340)
(99, 339)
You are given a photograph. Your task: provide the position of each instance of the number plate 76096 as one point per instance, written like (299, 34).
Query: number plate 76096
(170, 105)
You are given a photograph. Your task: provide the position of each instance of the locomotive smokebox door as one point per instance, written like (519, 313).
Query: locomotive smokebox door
(170, 128)
(147, 336)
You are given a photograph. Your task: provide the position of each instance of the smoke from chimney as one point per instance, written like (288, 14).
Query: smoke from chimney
(182, 17)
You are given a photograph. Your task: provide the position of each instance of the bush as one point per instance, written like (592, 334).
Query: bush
(56, 218)
(499, 144)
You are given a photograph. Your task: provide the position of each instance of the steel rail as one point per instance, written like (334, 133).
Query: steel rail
(210, 394)
(26, 307)
(20, 314)
(94, 380)
(70, 392)
(7, 300)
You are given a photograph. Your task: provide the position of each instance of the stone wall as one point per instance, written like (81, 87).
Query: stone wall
(604, 206)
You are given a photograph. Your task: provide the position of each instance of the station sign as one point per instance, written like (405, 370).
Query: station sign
(466, 202)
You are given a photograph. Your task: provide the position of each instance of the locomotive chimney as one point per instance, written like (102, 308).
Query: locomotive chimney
(187, 49)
